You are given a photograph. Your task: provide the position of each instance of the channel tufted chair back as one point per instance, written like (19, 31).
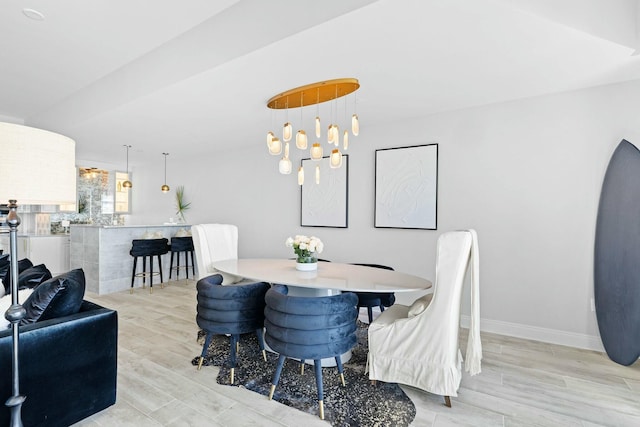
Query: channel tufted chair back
(310, 328)
(230, 310)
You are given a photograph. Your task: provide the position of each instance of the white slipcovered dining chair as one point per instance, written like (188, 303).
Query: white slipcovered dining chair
(418, 345)
(215, 242)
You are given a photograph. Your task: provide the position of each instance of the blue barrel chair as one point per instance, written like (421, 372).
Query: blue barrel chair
(230, 310)
(310, 328)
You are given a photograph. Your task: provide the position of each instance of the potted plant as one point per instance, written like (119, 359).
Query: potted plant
(181, 204)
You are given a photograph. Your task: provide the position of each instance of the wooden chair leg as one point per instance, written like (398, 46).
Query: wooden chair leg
(447, 401)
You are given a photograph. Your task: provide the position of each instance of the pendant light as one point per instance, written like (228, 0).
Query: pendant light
(338, 130)
(127, 183)
(165, 188)
(316, 151)
(300, 175)
(301, 135)
(335, 161)
(317, 174)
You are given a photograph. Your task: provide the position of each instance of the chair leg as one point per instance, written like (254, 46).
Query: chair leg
(178, 269)
(232, 361)
(144, 271)
(193, 265)
(302, 366)
(276, 375)
(260, 335)
(133, 273)
(340, 370)
(151, 274)
(160, 268)
(207, 341)
(186, 264)
(171, 265)
(381, 308)
(317, 366)
(370, 313)
(447, 401)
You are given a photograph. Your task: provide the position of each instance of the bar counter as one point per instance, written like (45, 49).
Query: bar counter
(103, 253)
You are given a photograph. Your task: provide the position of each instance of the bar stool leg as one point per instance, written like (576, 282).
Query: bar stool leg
(133, 273)
(178, 267)
(160, 268)
(171, 266)
(193, 265)
(144, 271)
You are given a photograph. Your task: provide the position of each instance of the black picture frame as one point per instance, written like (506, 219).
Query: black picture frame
(406, 187)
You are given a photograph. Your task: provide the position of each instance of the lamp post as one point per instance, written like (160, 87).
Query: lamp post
(26, 159)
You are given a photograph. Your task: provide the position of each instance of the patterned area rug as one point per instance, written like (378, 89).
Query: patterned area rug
(358, 404)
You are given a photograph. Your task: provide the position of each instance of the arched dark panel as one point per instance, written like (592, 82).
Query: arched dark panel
(617, 256)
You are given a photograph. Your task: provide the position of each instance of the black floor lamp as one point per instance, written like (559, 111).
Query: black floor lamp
(38, 168)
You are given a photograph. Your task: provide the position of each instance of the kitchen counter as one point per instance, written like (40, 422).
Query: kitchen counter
(102, 251)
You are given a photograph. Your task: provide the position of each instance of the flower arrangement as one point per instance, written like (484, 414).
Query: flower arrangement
(305, 248)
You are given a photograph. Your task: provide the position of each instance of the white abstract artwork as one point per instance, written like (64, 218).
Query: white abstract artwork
(324, 204)
(407, 187)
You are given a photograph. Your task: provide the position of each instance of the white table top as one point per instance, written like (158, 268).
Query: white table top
(330, 275)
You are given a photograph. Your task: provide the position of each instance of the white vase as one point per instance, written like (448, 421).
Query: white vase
(306, 266)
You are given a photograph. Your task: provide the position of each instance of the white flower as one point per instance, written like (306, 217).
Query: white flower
(289, 242)
(304, 246)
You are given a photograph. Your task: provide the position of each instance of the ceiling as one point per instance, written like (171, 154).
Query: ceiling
(192, 77)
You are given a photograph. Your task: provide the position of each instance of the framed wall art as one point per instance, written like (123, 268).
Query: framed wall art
(325, 204)
(406, 194)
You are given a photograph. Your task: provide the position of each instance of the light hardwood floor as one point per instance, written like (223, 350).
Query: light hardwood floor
(523, 383)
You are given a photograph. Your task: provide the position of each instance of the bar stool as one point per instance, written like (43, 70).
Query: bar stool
(148, 248)
(182, 245)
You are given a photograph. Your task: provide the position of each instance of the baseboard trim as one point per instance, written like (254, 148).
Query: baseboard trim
(553, 336)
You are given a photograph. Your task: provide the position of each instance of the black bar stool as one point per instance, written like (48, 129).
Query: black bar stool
(182, 245)
(148, 248)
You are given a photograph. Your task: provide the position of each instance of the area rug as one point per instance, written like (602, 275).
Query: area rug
(358, 404)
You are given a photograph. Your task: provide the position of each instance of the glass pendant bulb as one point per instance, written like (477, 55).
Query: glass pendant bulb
(301, 140)
(317, 174)
(335, 160)
(345, 140)
(318, 127)
(276, 147)
(287, 132)
(336, 136)
(270, 137)
(330, 134)
(284, 166)
(355, 125)
(286, 150)
(300, 176)
(316, 151)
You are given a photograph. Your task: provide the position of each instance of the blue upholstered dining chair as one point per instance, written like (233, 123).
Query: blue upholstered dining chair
(231, 310)
(375, 299)
(310, 328)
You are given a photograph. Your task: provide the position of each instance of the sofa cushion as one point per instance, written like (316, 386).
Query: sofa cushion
(23, 264)
(32, 277)
(57, 297)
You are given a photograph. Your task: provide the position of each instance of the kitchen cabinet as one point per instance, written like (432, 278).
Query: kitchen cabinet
(50, 250)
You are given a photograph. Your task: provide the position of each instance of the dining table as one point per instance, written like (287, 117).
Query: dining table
(330, 278)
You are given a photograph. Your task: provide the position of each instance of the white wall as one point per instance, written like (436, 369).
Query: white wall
(525, 174)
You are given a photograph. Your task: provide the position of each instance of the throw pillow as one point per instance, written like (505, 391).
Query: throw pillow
(23, 264)
(57, 297)
(5, 303)
(420, 305)
(32, 277)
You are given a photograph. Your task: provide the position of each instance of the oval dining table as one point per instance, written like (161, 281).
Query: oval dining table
(330, 278)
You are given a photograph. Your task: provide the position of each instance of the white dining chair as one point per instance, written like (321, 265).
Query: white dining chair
(417, 345)
(215, 242)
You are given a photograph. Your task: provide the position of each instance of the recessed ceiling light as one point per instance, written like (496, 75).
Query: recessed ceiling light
(33, 14)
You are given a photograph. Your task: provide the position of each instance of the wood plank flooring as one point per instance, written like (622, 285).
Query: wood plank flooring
(523, 383)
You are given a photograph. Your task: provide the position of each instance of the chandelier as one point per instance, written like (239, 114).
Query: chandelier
(314, 94)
